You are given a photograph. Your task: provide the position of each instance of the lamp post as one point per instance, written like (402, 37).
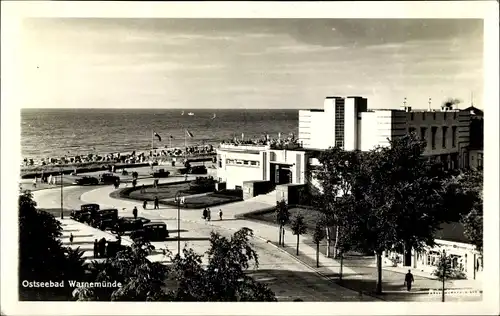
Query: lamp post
(62, 215)
(178, 199)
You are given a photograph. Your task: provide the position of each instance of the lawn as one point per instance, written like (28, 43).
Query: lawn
(209, 200)
(165, 191)
(311, 216)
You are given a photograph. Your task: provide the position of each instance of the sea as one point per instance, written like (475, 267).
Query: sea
(59, 132)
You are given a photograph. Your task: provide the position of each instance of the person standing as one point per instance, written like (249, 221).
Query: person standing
(157, 203)
(209, 212)
(409, 280)
(34, 182)
(205, 213)
(134, 212)
(96, 249)
(71, 238)
(144, 204)
(143, 190)
(220, 214)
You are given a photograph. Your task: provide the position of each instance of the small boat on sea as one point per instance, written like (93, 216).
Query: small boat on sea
(190, 113)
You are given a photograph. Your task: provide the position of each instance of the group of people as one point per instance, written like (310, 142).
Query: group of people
(100, 248)
(266, 140)
(207, 214)
(156, 204)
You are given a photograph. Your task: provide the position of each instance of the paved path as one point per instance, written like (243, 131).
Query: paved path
(288, 278)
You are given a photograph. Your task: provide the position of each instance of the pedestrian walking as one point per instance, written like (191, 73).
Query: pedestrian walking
(220, 214)
(205, 213)
(71, 238)
(144, 204)
(157, 203)
(102, 247)
(134, 212)
(134, 183)
(409, 280)
(96, 249)
(209, 214)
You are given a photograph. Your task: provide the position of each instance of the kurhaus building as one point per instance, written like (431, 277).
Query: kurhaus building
(349, 124)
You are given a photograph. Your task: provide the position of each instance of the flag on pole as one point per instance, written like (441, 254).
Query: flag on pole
(156, 135)
(188, 133)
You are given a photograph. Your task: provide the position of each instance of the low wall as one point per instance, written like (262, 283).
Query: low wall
(254, 188)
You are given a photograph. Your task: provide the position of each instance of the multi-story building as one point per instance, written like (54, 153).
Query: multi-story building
(347, 123)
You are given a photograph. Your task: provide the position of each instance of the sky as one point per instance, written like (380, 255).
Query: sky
(248, 63)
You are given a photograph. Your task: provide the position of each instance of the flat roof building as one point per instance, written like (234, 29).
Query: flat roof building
(349, 124)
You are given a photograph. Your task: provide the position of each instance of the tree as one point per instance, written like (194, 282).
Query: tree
(443, 270)
(224, 279)
(472, 200)
(394, 198)
(337, 177)
(282, 218)
(318, 236)
(140, 279)
(298, 227)
(41, 254)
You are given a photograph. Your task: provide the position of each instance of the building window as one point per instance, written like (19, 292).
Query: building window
(445, 130)
(454, 115)
(423, 116)
(433, 137)
(445, 115)
(454, 136)
(339, 123)
(245, 162)
(434, 116)
(423, 131)
(412, 116)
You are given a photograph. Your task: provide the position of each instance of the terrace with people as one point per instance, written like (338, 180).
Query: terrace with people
(262, 143)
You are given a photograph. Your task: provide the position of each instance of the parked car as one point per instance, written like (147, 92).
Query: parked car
(113, 247)
(86, 180)
(127, 224)
(104, 219)
(108, 178)
(198, 170)
(154, 231)
(84, 212)
(160, 173)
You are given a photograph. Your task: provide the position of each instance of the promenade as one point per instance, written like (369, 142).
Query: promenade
(278, 266)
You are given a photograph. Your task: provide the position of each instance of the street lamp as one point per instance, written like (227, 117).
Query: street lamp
(62, 215)
(178, 199)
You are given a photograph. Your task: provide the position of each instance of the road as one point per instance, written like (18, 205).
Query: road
(288, 278)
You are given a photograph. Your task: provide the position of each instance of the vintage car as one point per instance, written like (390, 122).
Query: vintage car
(160, 173)
(128, 224)
(154, 231)
(84, 213)
(86, 180)
(108, 178)
(103, 219)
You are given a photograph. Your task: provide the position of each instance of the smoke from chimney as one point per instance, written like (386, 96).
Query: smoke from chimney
(451, 103)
